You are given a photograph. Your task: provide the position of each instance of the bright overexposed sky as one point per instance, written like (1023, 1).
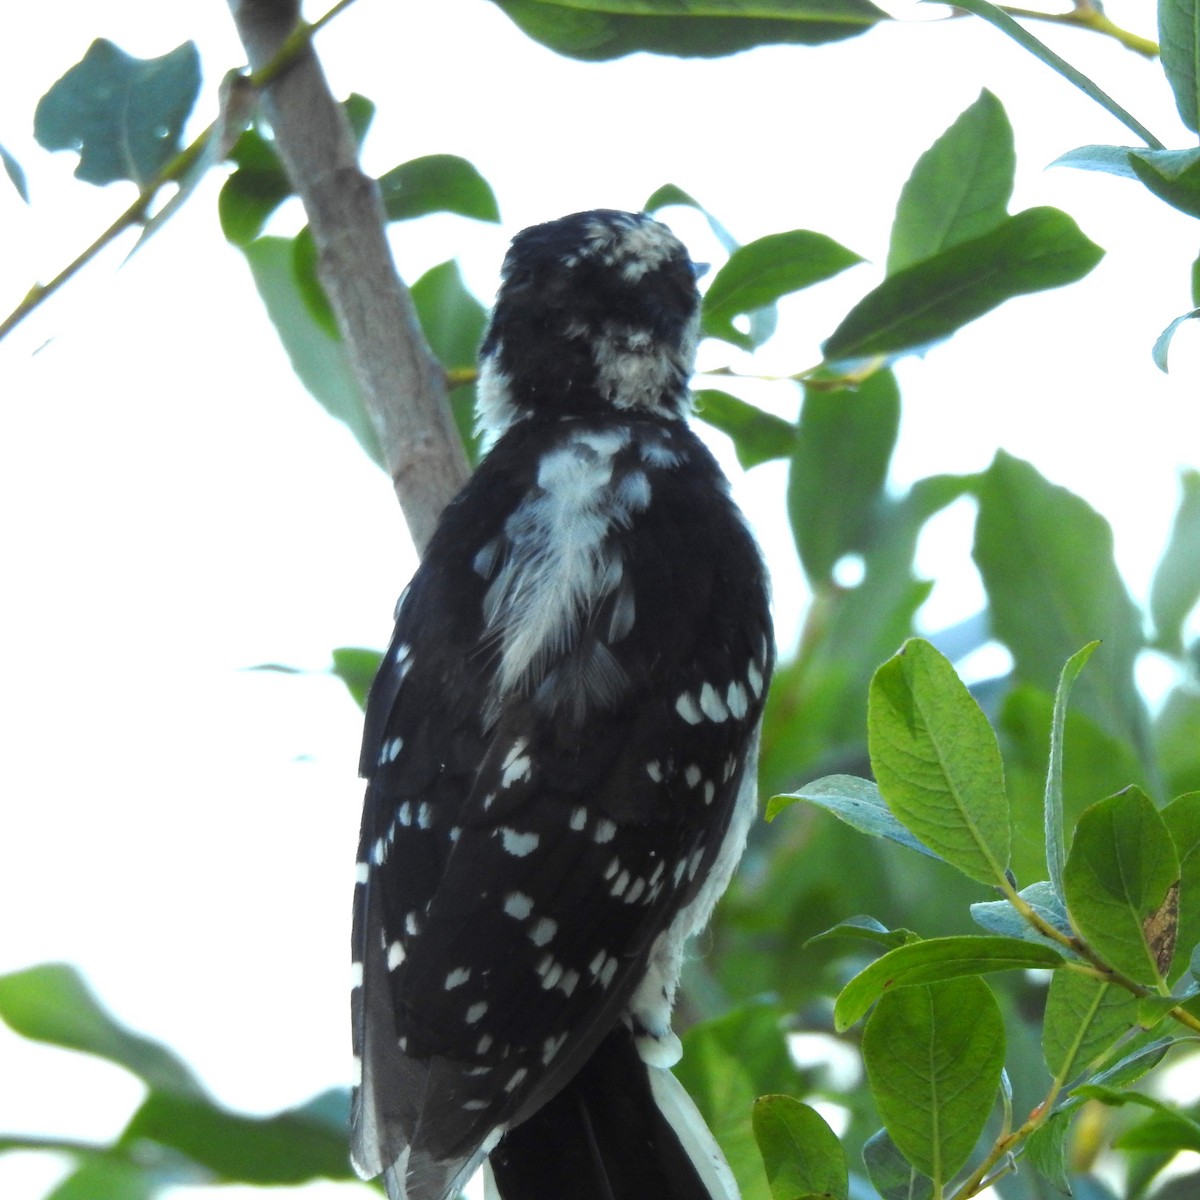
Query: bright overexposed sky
(176, 509)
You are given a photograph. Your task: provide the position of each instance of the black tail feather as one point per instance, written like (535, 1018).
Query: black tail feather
(603, 1137)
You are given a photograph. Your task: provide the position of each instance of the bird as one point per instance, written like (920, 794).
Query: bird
(560, 751)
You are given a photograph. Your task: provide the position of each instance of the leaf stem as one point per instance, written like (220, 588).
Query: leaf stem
(1086, 15)
(171, 172)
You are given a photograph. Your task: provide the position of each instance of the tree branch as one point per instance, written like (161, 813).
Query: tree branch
(402, 384)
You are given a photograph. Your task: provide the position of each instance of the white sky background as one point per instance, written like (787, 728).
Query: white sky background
(176, 509)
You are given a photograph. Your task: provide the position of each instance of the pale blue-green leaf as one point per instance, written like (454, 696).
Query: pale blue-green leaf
(855, 801)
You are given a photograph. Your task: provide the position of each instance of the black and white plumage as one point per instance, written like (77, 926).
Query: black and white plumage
(560, 750)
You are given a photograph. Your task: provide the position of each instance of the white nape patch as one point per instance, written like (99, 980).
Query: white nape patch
(557, 567)
(754, 677)
(518, 905)
(578, 821)
(516, 1079)
(518, 844)
(605, 831)
(476, 1012)
(688, 709)
(621, 883)
(693, 775)
(655, 771)
(457, 978)
(635, 891)
(543, 931)
(736, 700)
(395, 955)
(362, 872)
(711, 704)
(551, 1046)
(710, 791)
(356, 975)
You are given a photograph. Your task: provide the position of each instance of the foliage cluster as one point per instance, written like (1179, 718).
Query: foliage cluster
(1092, 969)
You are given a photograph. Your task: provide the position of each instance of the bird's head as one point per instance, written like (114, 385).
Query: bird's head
(597, 309)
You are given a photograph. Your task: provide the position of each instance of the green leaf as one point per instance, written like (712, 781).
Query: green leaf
(758, 274)
(15, 173)
(933, 960)
(291, 1147)
(357, 669)
(453, 321)
(1179, 49)
(1175, 740)
(937, 762)
(1053, 806)
(124, 116)
(934, 1055)
(928, 301)
(1002, 21)
(109, 1176)
(1046, 1151)
(254, 191)
(891, 1174)
(757, 436)
(1172, 175)
(868, 929)
(437, 183)
(1120, 883)
(959, 188)
(999, 916)
(1135, 1064)
(1047, 563)
(595, 30)
(51, 1003)
(1182, 819)
(1083, 1019)
(1175, 589)
(1163, 342)
(1167, 1129)
(843, 446)
(319, 359)
(855, 801)
(802, 1155)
